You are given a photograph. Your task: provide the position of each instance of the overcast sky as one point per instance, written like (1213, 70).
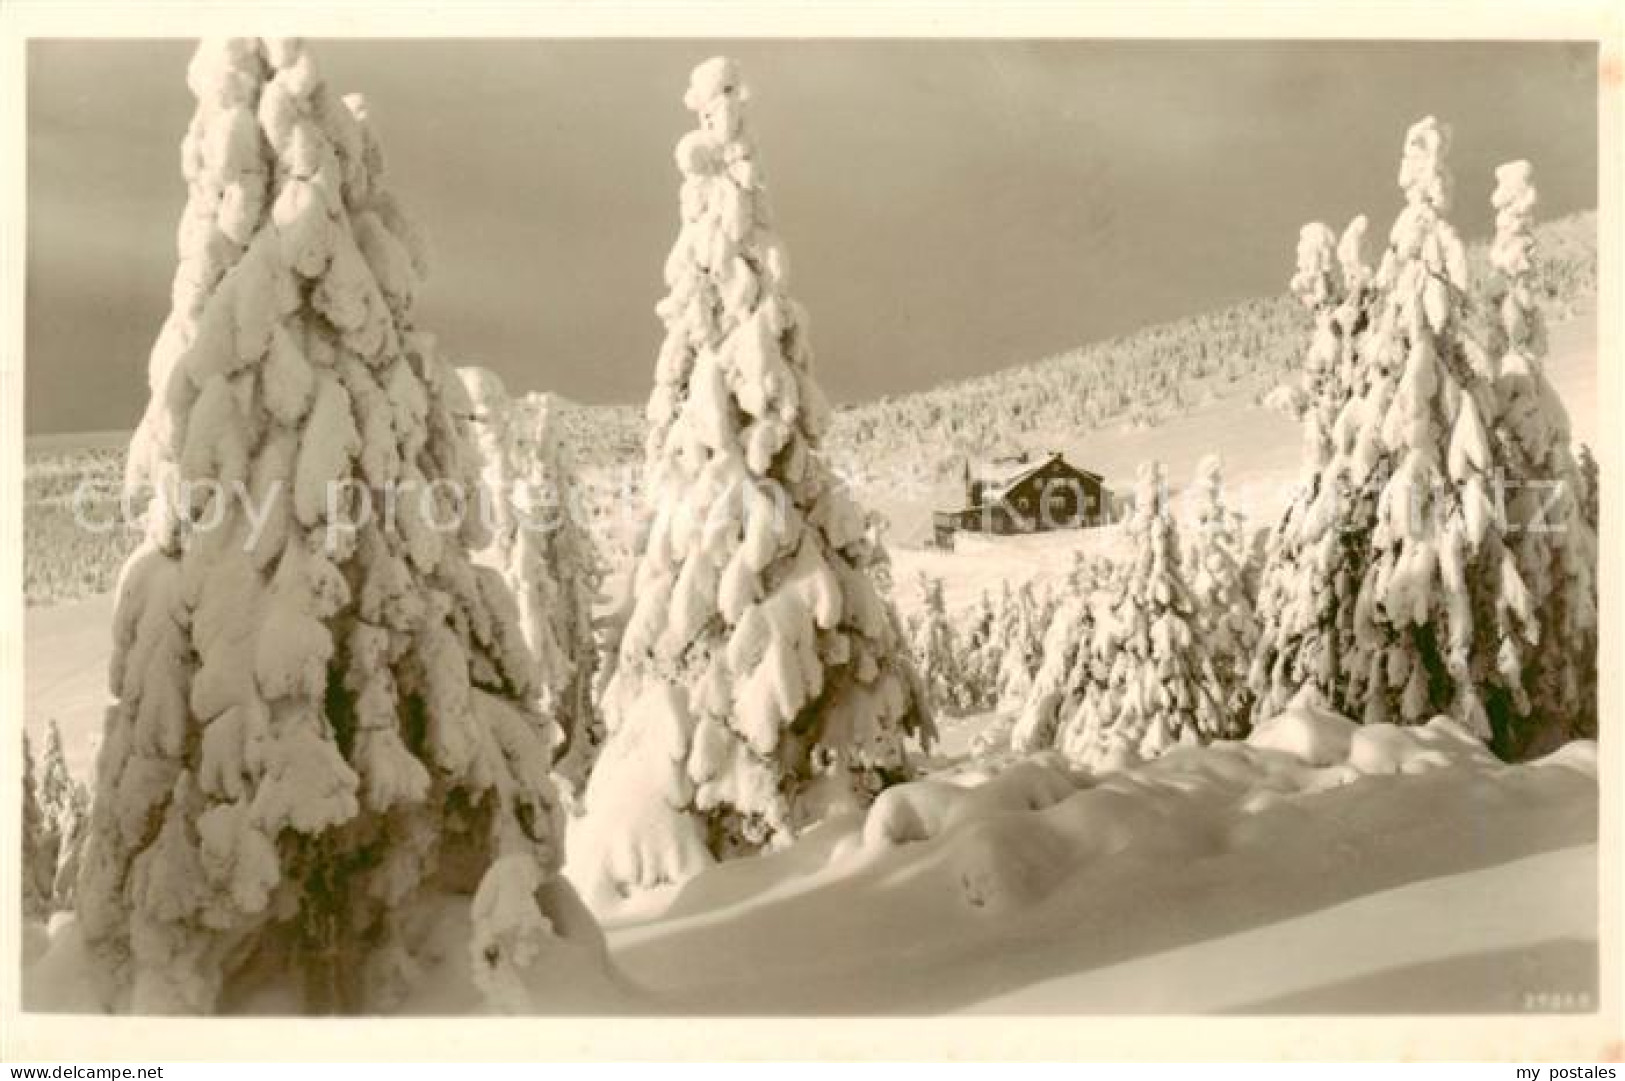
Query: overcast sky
(950, 207)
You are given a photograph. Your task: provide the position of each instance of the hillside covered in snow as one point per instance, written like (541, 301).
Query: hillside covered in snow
(1205, 380)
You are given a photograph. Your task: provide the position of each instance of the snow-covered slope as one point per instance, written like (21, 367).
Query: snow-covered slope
(1261, 447)
(1261, 450)
(65, 654)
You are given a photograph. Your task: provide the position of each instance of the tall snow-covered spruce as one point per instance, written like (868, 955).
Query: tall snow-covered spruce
(1547, 688)
(761, 680)
(1443, 616)
(321, 723)
(1317, 552)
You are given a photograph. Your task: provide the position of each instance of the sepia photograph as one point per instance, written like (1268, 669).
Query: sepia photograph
(633, 526)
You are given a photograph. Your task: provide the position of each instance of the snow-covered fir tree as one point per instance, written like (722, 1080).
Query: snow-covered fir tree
(1024, 615)
(1546, 688)
(932, 641)
(59, 793)
(1319, 287)
(552, 501)
(1225, 611)
(762, 680)
(879, 567)
(1154, 683)
(1353, 317)
(1071, 662)
(65, 803)
(979, 653)
(38, 863)
(1316, 554)
(321, 721)
(1064, 677)
(1087, 573)
(1590, 503)
(544, 555)
(1443, 615)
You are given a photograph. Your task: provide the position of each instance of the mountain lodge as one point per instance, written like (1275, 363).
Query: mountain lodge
(1025, 494)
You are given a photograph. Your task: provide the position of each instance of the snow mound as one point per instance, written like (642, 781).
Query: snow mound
(1580, 756)
(1387, 748)
(35, 940)
(1004, 862)
(923, 810)
(993, 837)
(1318, 736)
(635, 842)
(58, 974)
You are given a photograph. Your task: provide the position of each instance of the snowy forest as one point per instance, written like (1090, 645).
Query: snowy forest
(420, 694)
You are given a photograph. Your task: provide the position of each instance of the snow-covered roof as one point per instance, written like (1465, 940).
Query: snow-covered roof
(1000, 475)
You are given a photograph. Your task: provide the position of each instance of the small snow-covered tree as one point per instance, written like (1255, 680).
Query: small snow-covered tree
(1064, 676)
(1155, 686)
(1443, 614)
(66, 806)
(321, 722)
(1004, 631)
(1069, 669)
(1226, 613)
(1024, 616)
(1590, 503)
(762, 680)
(1086, 574)
(545, 557)
(935, 658)
(980, 656)
(62, 797)
(879, 568)
(38, 851)
(1548, 685)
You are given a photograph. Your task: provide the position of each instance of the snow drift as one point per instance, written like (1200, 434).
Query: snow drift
(1161, 888)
